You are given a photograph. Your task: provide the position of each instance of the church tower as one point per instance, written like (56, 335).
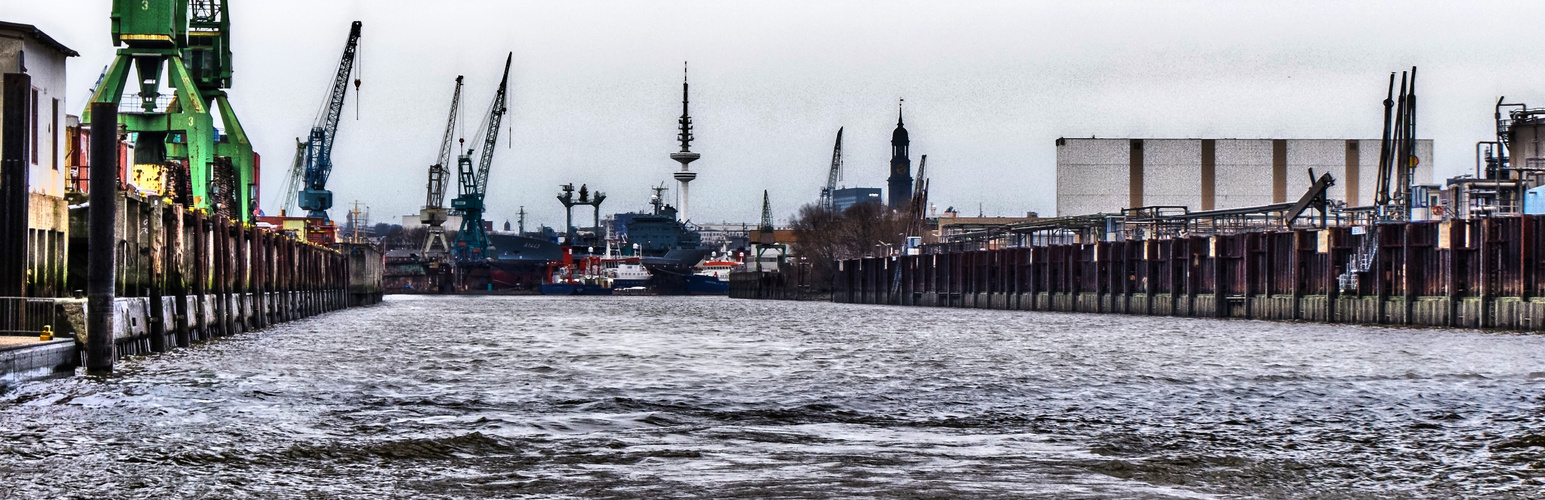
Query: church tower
(901, 167)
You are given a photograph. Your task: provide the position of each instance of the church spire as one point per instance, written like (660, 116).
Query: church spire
(901, 164)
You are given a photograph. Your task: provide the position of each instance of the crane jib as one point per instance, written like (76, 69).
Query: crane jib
(437, 172)
(319, 148)
(472, 240)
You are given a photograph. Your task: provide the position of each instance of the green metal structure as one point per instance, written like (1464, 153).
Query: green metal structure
(472, 239)
(185, 44)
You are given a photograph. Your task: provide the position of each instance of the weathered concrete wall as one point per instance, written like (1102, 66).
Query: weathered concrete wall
(24, 361)
(1097, 175)
(184, 277)
(366, 267)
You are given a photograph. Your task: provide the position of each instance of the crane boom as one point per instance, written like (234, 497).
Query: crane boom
(918, 189)
(495, 118)
(296, 182)
(319, 149)
(834, 175)
(438, 170)
(472, 240)
(434, 214)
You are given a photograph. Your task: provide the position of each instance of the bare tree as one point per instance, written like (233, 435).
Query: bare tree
(825, 236)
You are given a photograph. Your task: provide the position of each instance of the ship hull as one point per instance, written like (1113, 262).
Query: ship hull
(706, 285)
(628, 283)
(672, 273)
(519, 263)
(574, 289)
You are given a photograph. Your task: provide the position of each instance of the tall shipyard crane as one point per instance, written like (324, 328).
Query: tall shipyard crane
(834, 175)
(315, 198)
(472, 240)
(434, 213)
(918, 211)
(297, 179)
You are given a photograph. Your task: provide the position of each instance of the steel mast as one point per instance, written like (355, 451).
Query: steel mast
(834, 175)
(434, 213)
(316, 199)
(472, 240)
(685, 156)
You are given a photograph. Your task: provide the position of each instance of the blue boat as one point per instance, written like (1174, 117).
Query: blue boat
(698, 284)
(574, 289)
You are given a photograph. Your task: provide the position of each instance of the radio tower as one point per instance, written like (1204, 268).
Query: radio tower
(686, 155)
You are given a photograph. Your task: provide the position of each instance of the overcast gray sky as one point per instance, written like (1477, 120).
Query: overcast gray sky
(989, 86)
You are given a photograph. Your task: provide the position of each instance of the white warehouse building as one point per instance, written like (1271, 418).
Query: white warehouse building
(1107, 175)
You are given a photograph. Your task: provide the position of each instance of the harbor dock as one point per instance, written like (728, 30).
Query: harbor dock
(1469, 273)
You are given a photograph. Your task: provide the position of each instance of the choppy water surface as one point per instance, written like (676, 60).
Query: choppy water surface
(429, 397)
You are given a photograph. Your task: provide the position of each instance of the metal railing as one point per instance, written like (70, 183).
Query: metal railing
(25, 316)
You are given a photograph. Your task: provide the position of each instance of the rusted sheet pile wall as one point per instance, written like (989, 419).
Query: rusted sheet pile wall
(772, 285)
(184, 276)
(1468, 273)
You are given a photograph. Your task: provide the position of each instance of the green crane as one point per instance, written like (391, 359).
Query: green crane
(472, 240)
(186, 44)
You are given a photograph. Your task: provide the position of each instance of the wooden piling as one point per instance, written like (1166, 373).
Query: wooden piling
(101, 273)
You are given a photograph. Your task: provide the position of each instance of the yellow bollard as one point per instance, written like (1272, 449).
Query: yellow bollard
(48, 333)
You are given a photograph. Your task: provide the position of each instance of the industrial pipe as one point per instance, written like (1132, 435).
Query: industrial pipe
(102, 252)
(1491, 146)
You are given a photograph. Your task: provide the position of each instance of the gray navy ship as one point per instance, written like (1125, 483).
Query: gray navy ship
(669, 249)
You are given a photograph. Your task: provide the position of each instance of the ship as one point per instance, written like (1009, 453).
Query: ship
(519, 262)
(669, 249)
(623, 272)
(575, 276)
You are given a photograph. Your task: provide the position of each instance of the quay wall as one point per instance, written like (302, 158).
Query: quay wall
(1474, 273)
(773, 285)
(185, 276)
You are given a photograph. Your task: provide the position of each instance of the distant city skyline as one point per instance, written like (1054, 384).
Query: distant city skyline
(989, 87)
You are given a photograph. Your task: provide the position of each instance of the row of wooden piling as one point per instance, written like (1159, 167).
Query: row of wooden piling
(200, 276)
(1483, 273)
(251, 277)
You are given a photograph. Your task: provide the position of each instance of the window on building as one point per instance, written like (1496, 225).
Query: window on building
(53, 133)
(34, 127)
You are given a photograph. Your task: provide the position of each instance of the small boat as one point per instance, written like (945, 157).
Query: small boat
(623, 271)
(575, 277)
(720, 269)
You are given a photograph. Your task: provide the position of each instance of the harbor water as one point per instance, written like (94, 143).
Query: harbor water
(653, 397)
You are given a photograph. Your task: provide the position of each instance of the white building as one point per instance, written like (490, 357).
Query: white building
(35, 63)
(1107, 175)
(24, 49)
